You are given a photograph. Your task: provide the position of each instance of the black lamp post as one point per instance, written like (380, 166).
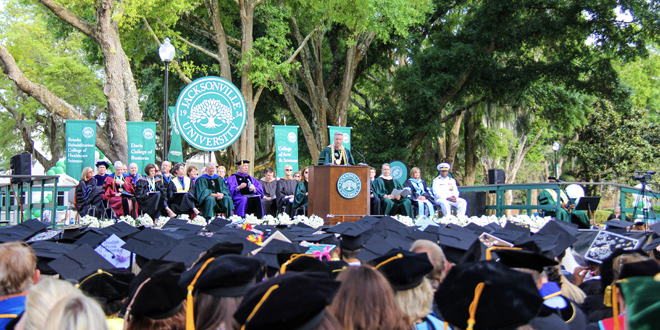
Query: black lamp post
(166, 52)
(555, 148)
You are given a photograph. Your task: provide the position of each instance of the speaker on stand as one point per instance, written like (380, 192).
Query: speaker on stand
(21, 164)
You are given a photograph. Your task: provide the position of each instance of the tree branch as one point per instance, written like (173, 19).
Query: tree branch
(68, 16)
(175, 63)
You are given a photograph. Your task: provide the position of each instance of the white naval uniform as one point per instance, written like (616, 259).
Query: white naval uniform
(444, 188)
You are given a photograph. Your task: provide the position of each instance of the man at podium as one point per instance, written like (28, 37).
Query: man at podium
(246, 191)
(336, 154)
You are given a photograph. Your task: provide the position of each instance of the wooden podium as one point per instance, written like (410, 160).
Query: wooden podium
(324, 198)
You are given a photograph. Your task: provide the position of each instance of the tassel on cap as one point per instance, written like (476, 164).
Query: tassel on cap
(190, 315)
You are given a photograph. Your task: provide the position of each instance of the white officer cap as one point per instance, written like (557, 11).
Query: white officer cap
(443, 167)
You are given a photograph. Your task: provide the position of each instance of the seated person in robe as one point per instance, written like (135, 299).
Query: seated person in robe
(286, 191)
(88, 198)
(180, 192)
(445, 190)
(374, 200)
(101, 168)
(566, 211)
(302, 192)
(165, 168)
(420, 192)
(383, 187)
(222, 172)
(133, 173)
(246, 191)
(151, 194)
(213, 194)
(336, 154)
(192, 173)
(120, 193)
(269, 200)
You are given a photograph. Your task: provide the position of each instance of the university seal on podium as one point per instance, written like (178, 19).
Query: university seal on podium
(349, 185)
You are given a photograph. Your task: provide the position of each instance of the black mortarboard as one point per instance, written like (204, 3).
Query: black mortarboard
(224, 276)
(79, 262)
(476, 228)
(652, 245)
(418, 234)
(304, 263)
(457, 244)
(509, 234)
(220, 249)
(617, 226)
(319, 238)
(544, 243)
(160, 297)
(388, 222)
(183, 252)
(268, 253)
(336, 267)
(202, 242)
(121, 229)
(22, 231)
(524, 259)
(233, 231)
(71, 234)
(48, 251)
(640, 268)
(351, 235)
(183, 231)
(655, 228)
(368, 221)
(216, 224)
(150, 244)
(567, 236)
(507, 300)
(376, 247)
(91, 238)
(403, 269)
(108, 286)
(173, 223)
(241, 162)
(289, 301)
(606, 268)
(248, 246)
(102, 162)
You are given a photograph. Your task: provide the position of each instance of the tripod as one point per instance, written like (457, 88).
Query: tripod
(644, 198)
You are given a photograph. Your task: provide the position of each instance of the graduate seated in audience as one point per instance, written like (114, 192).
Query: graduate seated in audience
(18, 272)
(445, 191)
(110, 288)
(192, 173)
(76, 312)
(366, 301)
(383, 187)
(638, 293)
(120, 193)
(246, 191)
(213, 194)
(180, 192)
(269, 185)
(437, 257)
(420, 194)
(42, 298)
(286, 191)
(88, 196)
(302, 192)
(151, 194)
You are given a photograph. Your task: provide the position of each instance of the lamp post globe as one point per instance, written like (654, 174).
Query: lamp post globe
(166, 52)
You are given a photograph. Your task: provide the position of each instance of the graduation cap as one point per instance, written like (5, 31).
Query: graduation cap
(183, 252)
(390, 223)
(336, 267)
(79, 262)
(202, 242)
(640, 268)
(404, 270)
(502, 298)
(160, 297)
(242, 162)
(368, 221)
(376, 247)
(567, 233)
(102, 163)
(221, 249)
(525, 259)
(173, 224)
(477, 229)
(183, 231)
(121, 229)
(288, 301)
(216, 224)
(351, 235)
(552, 298)
(48, 251)
(418, 234)
(545, 243)
(226, 238)
(224, 276)
(319, 238)
(510, 235)
(459, 245)
(109, 287)
(92, 238)
(71, 234)
(22, 231)
(655, 228)
(617, 226)
(606, 268)
(652, 245)
(150, 244)
(268, 254)
(304, 263)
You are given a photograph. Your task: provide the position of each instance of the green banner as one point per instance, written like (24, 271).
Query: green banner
(80, 146)
(174, 155)
(347, 135)
(399, 171)
(286, 148)
(141, 143)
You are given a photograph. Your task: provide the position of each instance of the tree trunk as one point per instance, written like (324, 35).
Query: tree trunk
(470, 150)
(246, 140)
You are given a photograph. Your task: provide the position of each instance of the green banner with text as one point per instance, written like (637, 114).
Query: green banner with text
(174, 154)
(286, 148)
(344, 130)
(141, 143)
(80, 146)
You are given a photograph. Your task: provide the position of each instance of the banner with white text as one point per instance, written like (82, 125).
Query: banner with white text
(141, 143)
(286, 148)
(174, 155)
(80, 146)
(344, 130)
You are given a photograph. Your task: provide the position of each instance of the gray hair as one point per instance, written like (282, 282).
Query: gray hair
(339, 133)
(118, 164)
(385, 164)
(210, 165)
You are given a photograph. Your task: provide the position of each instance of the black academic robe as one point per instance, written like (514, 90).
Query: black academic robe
(88, 196)
(270, 190)
(181, 202)
(152, 200)
(285, 188)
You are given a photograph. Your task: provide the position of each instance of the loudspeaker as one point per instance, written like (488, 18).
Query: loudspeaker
(21, 164)
(476, 203)
(496, 176)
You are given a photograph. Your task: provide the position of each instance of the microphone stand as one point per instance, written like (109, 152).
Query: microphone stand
(364, 161)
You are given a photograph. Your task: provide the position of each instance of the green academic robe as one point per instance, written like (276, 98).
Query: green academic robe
(382, 187)
(209, 206)
(326, 154)
(300, 197)
(548, 197)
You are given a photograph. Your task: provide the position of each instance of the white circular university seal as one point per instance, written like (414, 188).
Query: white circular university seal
(396, 172)
(148, 134)
(347, 138)
(291, 137)
(210, 113)
(349, 185)
(88, 132)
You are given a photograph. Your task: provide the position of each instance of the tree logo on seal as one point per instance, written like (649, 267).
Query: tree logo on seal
(396, 172)
(291, 137)
(210, 113)
(349, 185)
(88, 132)
(148, 134)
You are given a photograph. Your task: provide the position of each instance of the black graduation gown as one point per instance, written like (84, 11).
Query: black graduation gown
(285, 188)
(181, 203)
(88, 195)
(270, 190)
(152, 201)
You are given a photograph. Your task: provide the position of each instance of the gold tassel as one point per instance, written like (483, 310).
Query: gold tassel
(607, 299)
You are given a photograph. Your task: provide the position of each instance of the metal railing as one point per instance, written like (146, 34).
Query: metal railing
(501, 189)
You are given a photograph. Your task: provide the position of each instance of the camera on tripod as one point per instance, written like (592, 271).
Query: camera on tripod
(646, 176)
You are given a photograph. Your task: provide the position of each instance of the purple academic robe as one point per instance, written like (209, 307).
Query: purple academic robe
(240, 201)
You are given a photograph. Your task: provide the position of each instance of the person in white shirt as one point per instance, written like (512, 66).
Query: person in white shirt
(446, 192)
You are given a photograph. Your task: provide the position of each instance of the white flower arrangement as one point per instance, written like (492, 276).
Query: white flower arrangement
(315, 221)
(406, 220)
(105, 223)
(145, 220)
(269, 220)
(88, 219)
(252, 220)
(300, 219)
(161, 222)
(184, 217)
(198, 220)
(284, 219)
(235, 218)
(128, 219)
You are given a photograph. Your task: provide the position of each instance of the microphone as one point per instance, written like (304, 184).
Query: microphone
(364, 161)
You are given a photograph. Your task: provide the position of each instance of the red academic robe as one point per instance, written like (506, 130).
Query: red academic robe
(111, 188)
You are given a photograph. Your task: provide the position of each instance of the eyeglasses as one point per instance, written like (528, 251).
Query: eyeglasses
(287, 170)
